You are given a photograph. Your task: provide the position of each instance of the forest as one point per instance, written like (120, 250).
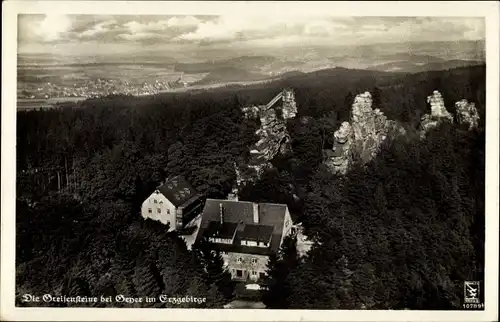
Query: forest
(403, 231)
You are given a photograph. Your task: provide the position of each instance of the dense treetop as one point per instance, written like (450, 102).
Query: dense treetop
(403, 231)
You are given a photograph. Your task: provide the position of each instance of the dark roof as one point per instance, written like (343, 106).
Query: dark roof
(224, 230)
(178, 190)
(241, 212)
(258, 233)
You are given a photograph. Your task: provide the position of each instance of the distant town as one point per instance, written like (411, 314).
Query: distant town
(96, 88)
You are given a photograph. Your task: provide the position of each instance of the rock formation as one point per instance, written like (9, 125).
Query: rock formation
(368, 128)
(467, 113)
(273, 136)
(363, 136)
(288, 106)
(338, 157)
(438, 113)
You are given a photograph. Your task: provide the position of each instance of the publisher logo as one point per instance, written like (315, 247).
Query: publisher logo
(471, 292)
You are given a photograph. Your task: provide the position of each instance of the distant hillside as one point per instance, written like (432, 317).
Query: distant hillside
(394, 57)
(414, 67)
(293, 73)
(244, 62)
(448, 50)
(230, 74)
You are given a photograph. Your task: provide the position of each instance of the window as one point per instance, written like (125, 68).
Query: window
(254, 261)
(262, 274)
(240, 260)
(168, 211)
(155, 201)
(254, 273)
(159, 210)
(150, 210)
(239, 273)
(161, 202)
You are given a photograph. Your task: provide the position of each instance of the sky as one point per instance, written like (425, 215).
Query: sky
(105, 34)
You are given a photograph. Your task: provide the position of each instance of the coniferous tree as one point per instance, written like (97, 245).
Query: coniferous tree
(276, 289)
(415, 214)
(213, 264)
(144, 279)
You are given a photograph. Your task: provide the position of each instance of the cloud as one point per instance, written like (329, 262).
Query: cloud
(51, 27)
(138, 36)
(240, 30)
(162, 25)
(98, 29)
(236, 26)
(163, 29)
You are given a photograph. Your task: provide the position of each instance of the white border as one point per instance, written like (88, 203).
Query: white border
(10, 9)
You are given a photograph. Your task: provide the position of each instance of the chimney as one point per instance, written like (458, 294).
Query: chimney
(221, 213)
(256, 213)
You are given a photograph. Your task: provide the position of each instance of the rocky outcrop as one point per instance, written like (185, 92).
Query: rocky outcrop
(437, 106)
(273, 136)
(438, 113)
(339, 156)
(361, 137)
(368, 128)
(289, 107)
(467, 113)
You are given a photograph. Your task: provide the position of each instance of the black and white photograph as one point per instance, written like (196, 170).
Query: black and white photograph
(251, 158)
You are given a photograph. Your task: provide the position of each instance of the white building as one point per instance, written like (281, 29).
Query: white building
(174, 203)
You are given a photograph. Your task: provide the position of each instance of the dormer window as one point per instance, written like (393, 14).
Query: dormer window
(256, 235)
(155, 201)
(239, 260)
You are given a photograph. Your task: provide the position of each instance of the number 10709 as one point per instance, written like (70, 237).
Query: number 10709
(473, 305)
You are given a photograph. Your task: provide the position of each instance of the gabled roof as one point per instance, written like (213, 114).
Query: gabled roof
(258, 233)
(178, 190)
(218, 230)
(271, 222)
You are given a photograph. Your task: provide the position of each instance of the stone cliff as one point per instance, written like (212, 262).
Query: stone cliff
(361, 137)
(368, 128)
(273, 136)
(466, 113)
(438, 113)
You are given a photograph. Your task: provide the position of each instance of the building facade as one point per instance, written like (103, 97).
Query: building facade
(245, 233)
(173, 203)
